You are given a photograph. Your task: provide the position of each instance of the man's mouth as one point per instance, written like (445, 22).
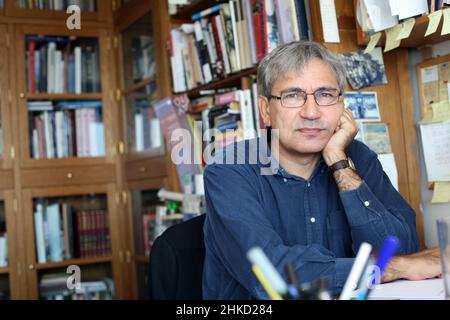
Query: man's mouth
(310, 130)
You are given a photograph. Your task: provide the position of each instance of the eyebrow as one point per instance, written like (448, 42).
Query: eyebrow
(300, 89)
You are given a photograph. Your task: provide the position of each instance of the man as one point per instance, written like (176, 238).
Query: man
(317, 208)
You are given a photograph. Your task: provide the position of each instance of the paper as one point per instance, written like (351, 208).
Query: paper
(441, 193)
(436, 150)
(413, 8)
(373, 42)
(394, 7)
(446, 25)
(431, 289)
(407, 27)
(441, 111)
(391, 38)
(430, 74)
(329, 21)
(434, 19)
(387, 161)
(380, 15)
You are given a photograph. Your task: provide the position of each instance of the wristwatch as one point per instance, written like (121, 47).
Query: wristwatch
(346, 163)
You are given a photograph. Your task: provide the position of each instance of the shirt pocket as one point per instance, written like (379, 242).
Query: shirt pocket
(338, 234)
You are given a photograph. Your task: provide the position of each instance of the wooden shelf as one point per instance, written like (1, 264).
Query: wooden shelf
(4, 270)
(141, 259)
(79, 262)
(186, 12)
(416, 38)
(63, 162)
(138, 85)
(230, 80)
(64, 96)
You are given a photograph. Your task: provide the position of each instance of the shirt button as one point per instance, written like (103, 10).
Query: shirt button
(284, 179)
(309, 184)
(313, 220)
(367, 203)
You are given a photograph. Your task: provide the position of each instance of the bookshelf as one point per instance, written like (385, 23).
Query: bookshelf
(75, 226)
(65, 114)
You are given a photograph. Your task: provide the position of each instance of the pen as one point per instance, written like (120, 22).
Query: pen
(270, 291)
(258, 258)
(356, 271)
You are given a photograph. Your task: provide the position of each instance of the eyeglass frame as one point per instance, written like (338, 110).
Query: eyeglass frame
(306, 97)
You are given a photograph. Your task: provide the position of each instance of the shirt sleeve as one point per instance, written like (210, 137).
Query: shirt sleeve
(376, 210)
(236, 222)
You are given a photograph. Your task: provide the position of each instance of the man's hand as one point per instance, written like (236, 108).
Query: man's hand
(344, 134)
(422, 265)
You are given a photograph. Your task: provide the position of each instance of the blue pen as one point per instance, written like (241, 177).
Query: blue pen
(204, 13)
(388, 250)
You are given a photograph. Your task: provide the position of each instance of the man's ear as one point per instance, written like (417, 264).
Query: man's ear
(264, 110)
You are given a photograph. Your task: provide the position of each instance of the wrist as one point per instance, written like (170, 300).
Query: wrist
(395, 270)
(332, 157)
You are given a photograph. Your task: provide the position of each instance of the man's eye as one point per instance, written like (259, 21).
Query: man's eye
(292, 95)
(325, 94)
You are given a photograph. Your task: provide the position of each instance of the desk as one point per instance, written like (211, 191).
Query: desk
(432, 289)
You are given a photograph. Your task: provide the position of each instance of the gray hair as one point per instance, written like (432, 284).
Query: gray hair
(294, 56)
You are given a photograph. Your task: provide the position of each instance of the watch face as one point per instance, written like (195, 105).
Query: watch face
(351, 164)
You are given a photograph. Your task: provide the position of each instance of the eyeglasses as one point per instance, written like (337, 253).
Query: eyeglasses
(297, 98)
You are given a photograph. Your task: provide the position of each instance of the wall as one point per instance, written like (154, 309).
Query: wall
(431, 212)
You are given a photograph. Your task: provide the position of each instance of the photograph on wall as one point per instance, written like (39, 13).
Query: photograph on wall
(365, 69)
(376, 137)
(364, 105)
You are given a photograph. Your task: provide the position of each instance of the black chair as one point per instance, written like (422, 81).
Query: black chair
(176, 262)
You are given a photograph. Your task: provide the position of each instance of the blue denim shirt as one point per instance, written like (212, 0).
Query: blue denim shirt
(306, 222)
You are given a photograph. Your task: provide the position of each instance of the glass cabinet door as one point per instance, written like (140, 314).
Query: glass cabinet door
(143, 133)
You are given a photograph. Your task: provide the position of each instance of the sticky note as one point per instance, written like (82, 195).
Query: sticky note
(446, 25)
(407, 27)
(441, 192)
(441, 111)
(373, 42)
(434, 19)
(391, 38)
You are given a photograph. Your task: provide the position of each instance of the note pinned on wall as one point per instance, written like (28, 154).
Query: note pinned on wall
(373, 42)
(391, 38)
(441, 193)
(329, 21)
(434, 19)
(446, 25)
(436, 150)
(407, 27)
(441, 111)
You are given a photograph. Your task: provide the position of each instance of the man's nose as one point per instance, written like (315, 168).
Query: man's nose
(310, 110)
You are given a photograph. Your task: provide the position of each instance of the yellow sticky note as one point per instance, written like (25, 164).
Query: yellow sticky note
(434, 19)
(441, 111)
(373, 42)
(407, 27)
(391, 38)
(441, 192)
(446, 25)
